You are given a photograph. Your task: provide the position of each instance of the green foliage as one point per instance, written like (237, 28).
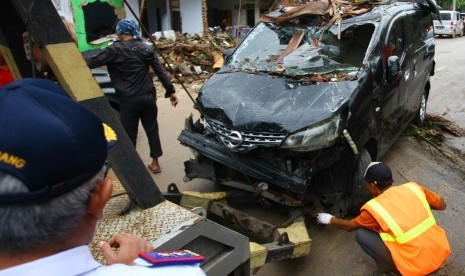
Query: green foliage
(447, 4)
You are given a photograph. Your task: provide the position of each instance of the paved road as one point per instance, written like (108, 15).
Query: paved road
(335, 252)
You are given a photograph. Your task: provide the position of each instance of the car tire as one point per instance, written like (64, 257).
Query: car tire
(360, 192)
(420, 116)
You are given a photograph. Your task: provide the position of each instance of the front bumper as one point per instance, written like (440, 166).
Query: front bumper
(443, 31)
(252, 166)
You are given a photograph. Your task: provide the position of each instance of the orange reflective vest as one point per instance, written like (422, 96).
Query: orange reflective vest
(417, 244)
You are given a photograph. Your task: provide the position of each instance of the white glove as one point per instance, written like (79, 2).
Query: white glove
(324, 218)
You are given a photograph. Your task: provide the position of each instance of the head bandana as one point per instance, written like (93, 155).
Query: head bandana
(129, 27)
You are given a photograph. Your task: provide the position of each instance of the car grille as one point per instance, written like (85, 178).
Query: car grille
(242, 140)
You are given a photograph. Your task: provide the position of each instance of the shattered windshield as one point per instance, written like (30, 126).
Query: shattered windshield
(303, 49)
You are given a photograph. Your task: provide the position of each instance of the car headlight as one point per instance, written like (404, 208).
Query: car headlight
(316, 136)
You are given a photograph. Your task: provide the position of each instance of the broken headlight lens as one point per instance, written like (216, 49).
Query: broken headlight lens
(314, 137)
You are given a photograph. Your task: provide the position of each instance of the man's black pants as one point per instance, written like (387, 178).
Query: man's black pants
(143, 107)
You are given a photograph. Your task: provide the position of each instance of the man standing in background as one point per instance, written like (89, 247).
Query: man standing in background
(128, 61)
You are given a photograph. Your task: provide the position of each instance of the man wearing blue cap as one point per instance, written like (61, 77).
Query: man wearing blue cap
(397, 228)
(53, 188)
(128, 61)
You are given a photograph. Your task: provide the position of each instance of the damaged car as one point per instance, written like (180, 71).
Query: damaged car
(309, 98)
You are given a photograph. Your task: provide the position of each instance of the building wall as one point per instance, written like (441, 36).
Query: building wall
(135, 7)
(158, 16)
(233, 6)
(166, 16)
(191, 14)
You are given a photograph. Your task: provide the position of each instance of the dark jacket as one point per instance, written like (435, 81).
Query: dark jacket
(128, 65)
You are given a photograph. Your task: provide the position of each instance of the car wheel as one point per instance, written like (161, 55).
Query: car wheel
(360, 193)
(421, 112)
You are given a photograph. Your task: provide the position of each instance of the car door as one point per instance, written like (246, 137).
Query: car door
(458, 24)
(392, 95)
(418, 30)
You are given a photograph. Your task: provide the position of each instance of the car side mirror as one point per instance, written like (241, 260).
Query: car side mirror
(227, 54)
(393, 68)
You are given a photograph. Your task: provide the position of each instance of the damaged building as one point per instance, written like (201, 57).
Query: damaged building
(95, 20)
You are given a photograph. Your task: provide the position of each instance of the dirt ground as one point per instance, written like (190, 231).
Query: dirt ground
(335, 252)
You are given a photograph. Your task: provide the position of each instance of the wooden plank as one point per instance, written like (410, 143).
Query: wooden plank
(71, 70)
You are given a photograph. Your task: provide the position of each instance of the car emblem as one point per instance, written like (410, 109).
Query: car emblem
(233, 139)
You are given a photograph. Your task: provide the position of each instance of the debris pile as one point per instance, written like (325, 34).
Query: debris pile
(433, 130)
(193, 58)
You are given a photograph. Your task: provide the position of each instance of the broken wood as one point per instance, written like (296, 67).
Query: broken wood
(293, 44)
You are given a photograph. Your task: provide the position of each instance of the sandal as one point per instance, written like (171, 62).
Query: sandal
(153, 170)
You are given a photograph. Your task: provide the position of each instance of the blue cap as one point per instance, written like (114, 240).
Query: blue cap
(129, 27)
(47, 140)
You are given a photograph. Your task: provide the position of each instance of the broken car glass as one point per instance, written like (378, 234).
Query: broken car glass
(303, 50)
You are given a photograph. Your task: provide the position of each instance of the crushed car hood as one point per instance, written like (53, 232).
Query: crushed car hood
(261, 102)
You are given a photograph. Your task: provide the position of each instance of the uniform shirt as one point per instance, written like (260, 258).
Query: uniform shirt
(79, 261)
(366, 220)
(128, 65)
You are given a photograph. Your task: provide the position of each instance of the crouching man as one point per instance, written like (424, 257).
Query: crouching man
(397, 228)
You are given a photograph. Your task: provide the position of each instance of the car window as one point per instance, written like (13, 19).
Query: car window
(419, 27)
(299, 50)
(446, 16)
(395, 42)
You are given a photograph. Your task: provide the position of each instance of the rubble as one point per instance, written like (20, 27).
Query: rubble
(434, 128)
(433, 131)
(193, 58)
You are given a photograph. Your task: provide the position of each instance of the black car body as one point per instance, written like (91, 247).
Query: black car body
(296, 113)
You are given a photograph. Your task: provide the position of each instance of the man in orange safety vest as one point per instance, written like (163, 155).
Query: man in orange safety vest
(397, 228)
